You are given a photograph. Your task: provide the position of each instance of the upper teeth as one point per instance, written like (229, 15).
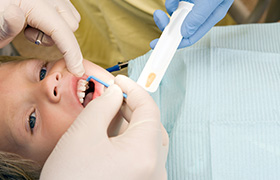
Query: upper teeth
(81, 88)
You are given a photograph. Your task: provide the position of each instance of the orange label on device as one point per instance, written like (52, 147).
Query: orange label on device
(150, 79)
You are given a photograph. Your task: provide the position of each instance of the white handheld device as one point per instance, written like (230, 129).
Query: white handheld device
(165, 49)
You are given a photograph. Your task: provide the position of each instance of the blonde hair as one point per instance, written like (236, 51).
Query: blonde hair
(14, 167)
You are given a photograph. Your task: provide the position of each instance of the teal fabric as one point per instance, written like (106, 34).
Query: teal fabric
(220, 104)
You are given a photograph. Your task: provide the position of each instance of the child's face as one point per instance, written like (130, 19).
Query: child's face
(35, 113)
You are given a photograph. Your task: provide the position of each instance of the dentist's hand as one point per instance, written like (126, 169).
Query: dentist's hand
(204, 15)
(86, 152)
(56, 18)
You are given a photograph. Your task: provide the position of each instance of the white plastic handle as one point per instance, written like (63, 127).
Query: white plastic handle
(165, 49)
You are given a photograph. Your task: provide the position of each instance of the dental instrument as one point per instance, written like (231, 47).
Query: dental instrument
(118, 67)
(39, 38)
(102, 82)
(165, 49)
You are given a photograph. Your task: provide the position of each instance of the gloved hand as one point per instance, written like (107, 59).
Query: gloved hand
(86, 152)
(56, 18)
(204, 15)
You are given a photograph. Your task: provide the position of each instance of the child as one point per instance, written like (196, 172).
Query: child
(219, 103)
(39, 101)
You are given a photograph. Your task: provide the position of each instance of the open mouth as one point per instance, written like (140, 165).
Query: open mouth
(86, 91)
(89, 93)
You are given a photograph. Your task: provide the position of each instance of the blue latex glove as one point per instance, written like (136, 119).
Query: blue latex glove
(204, 15)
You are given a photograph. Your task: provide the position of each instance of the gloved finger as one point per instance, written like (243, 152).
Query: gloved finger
(197, 16)
(171, 6)
(153, 43)
(125, 111)
(95, 119)
(216, 16)
(74, 11)
(85, 137)
(145, 116)
(65, 9)
(11, 23)
(32, 34)
(161, 19)
(138, 100)
(186, 42)
(165, 139)
(127, 114)
(165, 145)
(58, 30)
(144, 131)
(164, 153)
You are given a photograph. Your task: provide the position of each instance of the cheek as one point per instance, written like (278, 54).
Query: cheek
(51, 127)
(57, 123)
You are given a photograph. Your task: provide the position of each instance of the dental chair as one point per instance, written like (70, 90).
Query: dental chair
(242, 15)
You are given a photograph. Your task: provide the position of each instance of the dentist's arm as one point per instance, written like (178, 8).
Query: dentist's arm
(204, 15)
(56, 18)
(86, 152)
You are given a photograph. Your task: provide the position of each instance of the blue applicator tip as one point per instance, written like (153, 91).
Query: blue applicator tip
(102, 82)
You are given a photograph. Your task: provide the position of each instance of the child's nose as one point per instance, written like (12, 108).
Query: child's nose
(51, 84)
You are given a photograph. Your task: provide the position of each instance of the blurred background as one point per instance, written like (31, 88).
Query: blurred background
(114, 30)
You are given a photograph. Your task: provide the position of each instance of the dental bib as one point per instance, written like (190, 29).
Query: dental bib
(220, 104)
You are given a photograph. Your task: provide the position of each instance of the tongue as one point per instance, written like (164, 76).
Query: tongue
(88, 98)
